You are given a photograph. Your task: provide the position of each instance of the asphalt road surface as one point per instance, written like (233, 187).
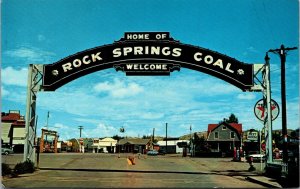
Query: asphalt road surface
(108, 171)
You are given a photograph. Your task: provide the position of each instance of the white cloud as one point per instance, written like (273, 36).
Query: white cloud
(246, 96)
(163, 100)
(144, 103)
(12, 76)
(4, 92)
(17, 95)
(249, 50)
(103, 130)
(118, 88)
(65, 132)
(30, 54)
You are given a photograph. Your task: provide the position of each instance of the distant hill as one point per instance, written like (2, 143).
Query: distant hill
(200, 134)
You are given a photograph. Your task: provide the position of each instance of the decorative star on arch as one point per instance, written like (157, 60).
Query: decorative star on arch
(240, 72)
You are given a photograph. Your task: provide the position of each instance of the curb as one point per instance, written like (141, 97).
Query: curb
(269, 185)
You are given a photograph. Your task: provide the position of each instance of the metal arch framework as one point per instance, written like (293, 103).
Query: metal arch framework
(260, 74)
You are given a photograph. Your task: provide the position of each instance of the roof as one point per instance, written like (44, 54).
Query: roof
(11, 117)
(134, 141)
(108, 140)
(235, 126)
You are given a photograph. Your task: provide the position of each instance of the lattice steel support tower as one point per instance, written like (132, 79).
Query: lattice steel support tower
(35, 76)
(267, 103)
(263, 84)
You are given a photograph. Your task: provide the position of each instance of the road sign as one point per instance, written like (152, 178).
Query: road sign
(260, 110)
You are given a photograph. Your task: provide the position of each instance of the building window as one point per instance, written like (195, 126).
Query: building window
(232, 135)
(224, 127)
(216, 135)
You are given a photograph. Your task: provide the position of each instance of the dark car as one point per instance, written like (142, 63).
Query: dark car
(6, 151)
(161, 152)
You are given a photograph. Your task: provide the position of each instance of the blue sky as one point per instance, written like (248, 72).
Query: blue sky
(44, 31)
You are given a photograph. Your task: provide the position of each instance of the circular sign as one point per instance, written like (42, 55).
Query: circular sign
(260, 110)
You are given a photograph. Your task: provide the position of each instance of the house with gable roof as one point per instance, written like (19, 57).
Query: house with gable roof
(223, 137)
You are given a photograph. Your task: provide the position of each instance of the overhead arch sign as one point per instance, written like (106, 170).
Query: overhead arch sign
(147, 53)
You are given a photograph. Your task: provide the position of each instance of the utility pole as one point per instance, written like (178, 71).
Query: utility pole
(80, 128)
(191, 139)
(153, 139)
(47, 120)
(47, 123)
(282, 52)
(166, 138)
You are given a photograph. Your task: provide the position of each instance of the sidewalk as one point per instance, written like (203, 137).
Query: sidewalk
(258, 177)
(265, 181)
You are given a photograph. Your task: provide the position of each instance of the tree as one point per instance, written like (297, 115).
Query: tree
(232, 119)
(146, 137)
(200, 144)
(116, 137)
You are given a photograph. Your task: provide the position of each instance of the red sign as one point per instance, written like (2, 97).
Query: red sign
(263, 146)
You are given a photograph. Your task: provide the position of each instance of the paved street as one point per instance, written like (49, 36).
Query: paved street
(107, 170)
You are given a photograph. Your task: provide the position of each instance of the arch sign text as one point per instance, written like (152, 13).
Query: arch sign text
(147, 53)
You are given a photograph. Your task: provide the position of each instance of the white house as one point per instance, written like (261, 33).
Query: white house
(106, 145)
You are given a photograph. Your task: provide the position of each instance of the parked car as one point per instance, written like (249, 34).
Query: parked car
(152, 153)
(161, 152)
(6, 151)
(256, 156)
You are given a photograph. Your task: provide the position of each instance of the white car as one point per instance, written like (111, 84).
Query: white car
(257, 157)
(6, 151)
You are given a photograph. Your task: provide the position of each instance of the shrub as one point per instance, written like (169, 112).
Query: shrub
(24, 167)
(6, 170)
